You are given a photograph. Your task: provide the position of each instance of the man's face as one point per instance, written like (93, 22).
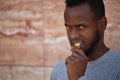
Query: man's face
(82, 27)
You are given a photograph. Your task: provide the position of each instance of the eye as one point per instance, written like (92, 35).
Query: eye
(81, 27)
(68, 27)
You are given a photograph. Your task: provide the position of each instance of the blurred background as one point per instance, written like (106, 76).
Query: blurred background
(33, 37)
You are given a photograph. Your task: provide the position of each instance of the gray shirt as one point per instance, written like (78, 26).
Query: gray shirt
(106, 67)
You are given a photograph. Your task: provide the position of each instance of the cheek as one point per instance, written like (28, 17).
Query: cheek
(89, 37)
(68, 35)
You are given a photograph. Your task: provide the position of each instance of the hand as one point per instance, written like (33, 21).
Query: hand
(76, 64)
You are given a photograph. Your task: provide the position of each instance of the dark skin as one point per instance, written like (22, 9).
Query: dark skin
(82, 27)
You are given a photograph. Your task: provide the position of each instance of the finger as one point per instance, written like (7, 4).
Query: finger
(76, 55)
(78, 51)
(71, 59)
(66, 60)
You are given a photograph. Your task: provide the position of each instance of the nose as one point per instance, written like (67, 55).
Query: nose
(74, 34)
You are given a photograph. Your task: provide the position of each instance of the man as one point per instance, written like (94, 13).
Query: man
(90, 59)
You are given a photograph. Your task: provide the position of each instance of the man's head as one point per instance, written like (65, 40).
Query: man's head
(96, 6)
(85, 22)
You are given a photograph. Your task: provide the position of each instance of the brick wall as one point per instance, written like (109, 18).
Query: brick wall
(33, 37)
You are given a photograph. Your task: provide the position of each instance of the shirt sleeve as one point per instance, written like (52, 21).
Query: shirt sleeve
(82, 78)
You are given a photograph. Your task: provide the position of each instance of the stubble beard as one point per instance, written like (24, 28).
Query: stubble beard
(93, 44)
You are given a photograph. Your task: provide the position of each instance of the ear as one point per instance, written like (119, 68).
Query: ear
(102, 23)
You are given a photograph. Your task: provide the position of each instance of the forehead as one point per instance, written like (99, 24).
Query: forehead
(78, 13)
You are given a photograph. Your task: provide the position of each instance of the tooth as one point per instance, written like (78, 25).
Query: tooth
(77, 45)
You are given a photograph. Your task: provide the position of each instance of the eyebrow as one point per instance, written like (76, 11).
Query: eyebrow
(74, 25)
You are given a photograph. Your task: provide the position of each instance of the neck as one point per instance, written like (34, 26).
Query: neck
(98, 51)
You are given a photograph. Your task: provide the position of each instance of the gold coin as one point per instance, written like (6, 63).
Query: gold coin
(77, 45)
